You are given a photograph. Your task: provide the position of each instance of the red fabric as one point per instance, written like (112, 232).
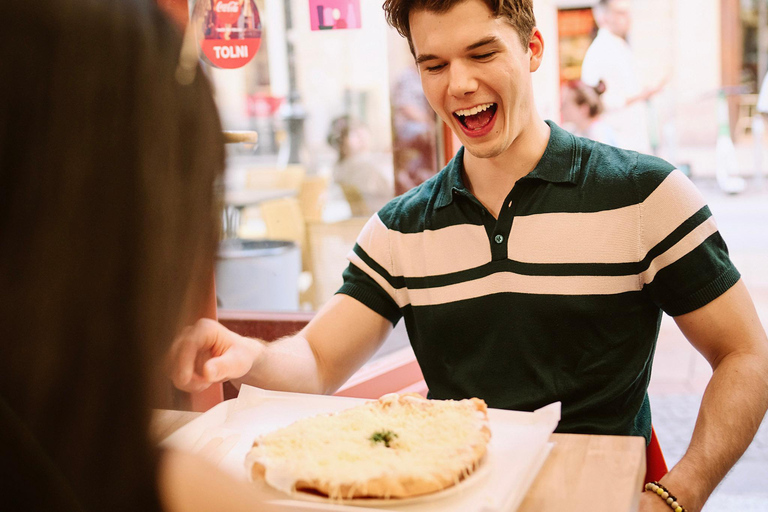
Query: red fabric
(204, 400)
(655, 465)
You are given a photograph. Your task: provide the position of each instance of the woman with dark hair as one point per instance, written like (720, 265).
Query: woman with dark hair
(108, 226)
(581, 107)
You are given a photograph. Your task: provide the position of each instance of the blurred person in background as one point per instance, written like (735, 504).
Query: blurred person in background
(413, 132)
(610, 59)
(108, 228)
(360, 174)
(581, 109)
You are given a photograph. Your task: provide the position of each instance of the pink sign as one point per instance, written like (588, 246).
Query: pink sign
(334, 14)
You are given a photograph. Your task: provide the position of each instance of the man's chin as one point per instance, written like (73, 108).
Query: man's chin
(478, 151)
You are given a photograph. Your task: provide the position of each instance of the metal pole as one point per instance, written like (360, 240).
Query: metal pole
(762, 40)
(294, 113)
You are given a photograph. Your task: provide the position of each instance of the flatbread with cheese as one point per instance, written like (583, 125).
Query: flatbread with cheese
(399, 446)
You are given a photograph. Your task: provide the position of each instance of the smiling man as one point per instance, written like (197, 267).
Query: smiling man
(476, 74)
(534, 268)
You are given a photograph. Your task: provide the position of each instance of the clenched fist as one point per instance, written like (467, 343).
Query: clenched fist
(206, 353)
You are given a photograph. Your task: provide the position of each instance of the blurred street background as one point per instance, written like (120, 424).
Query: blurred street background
(680, 374)
(343, 126)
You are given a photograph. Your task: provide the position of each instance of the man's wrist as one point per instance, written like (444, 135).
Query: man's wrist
(255, 349)
(686, 487)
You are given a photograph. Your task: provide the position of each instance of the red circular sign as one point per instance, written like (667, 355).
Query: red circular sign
(227, 11)
(228, 31)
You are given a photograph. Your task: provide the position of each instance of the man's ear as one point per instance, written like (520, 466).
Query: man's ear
(536, 46)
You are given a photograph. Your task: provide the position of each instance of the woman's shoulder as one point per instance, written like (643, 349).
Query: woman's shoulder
(188, 483)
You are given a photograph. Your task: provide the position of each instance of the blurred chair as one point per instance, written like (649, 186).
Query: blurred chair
(329, 244)
(284, 181)
(284, 220)
(290, 177)
(357, 203)
(312, 197)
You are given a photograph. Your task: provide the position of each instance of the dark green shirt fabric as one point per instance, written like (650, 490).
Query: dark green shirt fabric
(561, 297)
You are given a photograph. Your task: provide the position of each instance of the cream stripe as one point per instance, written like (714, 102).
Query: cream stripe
(609, 236)
(671, 204)
(687, 244)
(374, 240)
(509, 282)
(400, 296)
(502, 282)
(440, 251)
(430, 252)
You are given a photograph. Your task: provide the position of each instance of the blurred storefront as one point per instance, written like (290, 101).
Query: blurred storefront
(333, 90)
(702, 47)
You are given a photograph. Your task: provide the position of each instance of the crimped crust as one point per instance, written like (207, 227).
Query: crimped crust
(397, 478)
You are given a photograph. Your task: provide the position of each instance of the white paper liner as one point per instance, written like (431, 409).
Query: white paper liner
(518, 447)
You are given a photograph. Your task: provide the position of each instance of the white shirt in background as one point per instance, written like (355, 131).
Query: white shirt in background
(610, 59)
(762, 98)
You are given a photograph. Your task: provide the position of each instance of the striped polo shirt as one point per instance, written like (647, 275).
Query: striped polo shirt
(561, 297)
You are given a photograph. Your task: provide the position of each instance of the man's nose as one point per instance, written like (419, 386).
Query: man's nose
(462, 80)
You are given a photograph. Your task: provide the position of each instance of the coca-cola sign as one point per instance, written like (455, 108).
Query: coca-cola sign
(228, 31)
(228, 11)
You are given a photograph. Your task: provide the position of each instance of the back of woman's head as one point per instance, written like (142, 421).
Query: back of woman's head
(588, 95)
(108, 227)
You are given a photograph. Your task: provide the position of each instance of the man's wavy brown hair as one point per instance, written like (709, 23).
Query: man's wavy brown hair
(519, 13)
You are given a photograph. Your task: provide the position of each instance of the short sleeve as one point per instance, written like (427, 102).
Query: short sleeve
(368, 277)
(686, 260)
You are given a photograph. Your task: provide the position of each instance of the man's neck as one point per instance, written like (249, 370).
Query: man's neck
(491, 179)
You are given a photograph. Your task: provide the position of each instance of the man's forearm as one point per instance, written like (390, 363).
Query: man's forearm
(288, 364)
(732, 409)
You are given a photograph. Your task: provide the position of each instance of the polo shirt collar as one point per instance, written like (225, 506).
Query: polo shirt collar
(560, 163)
(452, 181)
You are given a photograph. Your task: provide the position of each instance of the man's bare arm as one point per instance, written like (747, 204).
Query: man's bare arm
(729, 335)
(341, 337)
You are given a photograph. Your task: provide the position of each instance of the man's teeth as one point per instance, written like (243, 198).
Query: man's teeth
(474, 110)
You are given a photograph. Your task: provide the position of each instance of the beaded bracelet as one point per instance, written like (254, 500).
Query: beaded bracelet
(664, 494)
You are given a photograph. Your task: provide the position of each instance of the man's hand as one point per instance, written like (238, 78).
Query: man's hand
(208, 352)
(318, 359)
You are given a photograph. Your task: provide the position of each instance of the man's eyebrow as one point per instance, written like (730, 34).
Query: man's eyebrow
(482, 42)
(425, 57)
(474, 46)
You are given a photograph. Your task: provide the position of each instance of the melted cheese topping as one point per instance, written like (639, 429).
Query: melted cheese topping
(432, 438)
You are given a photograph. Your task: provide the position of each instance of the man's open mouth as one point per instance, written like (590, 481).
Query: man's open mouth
(476, 118)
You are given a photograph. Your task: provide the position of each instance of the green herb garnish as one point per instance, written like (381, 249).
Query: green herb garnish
(383, 436)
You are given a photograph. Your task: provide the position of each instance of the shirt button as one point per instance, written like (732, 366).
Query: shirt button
(499, 239)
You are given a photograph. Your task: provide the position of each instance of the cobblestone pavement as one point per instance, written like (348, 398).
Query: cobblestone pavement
(745, 488)
(743, 222)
